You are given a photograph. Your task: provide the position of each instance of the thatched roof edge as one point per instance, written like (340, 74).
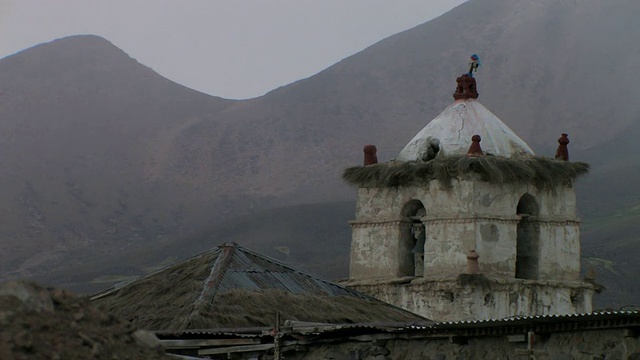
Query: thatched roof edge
(118, 286)
(545, 173)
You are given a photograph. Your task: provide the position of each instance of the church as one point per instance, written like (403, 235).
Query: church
(470, 240)
(467, 223)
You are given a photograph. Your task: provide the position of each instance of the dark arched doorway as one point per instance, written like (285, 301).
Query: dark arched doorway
(413, 239)
(528, 238)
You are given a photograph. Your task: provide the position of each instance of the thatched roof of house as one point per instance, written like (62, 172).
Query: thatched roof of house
(231, 286)
(545, 173)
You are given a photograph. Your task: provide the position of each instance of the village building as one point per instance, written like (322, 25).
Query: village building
(232, 303)
(467, 223)
(469, 232)
(601, 335)
(233, 287)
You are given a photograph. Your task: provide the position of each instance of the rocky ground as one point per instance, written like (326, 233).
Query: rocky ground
(48, 323)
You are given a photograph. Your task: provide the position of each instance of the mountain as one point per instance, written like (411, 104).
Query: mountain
(312, 237)
(82, 127)
(104, 158)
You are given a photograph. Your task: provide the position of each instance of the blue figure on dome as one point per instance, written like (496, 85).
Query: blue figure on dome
(474, 63)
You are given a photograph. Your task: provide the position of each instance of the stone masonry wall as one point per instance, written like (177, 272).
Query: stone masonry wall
(474, 297)
(469, 215)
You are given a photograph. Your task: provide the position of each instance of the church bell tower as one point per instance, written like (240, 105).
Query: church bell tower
(468, 223)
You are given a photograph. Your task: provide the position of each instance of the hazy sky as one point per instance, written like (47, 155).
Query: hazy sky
(228, 48)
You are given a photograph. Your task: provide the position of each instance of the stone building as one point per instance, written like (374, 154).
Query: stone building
(467, 223)
(466, 227)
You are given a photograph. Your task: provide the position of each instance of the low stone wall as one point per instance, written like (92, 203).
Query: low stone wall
(475, 297)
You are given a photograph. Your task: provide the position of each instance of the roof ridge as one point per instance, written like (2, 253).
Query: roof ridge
(302, 272)
(212, 282)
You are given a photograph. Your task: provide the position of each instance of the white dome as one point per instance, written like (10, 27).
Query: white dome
(455, 126)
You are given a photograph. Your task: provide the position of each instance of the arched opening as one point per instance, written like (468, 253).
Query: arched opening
(413, 239)
(528, 238)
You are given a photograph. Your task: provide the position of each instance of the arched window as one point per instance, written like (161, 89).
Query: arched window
(412, 240)
(528, 238)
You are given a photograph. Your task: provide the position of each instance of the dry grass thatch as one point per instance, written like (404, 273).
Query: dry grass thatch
(245, 308)
(162, 302)
(544, 173)
(240, 308)
(251, 288)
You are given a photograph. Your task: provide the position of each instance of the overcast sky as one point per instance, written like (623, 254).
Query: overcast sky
(230, 48)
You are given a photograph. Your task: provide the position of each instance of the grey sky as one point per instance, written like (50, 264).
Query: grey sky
(228, 48)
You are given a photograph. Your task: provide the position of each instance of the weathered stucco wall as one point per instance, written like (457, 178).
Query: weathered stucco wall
(614, 344)
(469, 215)
(474, 297)
(379, 258)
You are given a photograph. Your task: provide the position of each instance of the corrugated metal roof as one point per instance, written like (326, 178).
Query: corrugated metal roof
(256, 332)
(388, 327)
(512, 324)
(597, 315)
(250, 271)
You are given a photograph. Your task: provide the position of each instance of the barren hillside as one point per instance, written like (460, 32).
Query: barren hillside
(104, 157)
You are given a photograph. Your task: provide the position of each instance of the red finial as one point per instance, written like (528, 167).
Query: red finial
(370, 156)
(475, 150)
(466, 88)
(563, 151)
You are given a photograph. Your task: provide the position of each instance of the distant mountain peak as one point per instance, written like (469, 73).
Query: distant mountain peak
(86, 59)
(73, 51)
(73, 42)
(88, 38)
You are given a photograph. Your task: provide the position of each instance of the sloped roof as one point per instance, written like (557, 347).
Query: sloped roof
(314, 335)
(455, 126)
(231, 286)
